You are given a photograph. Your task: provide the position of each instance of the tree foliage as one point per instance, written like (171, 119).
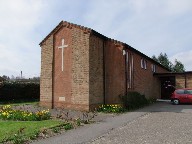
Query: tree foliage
(178, 67)
(163, 60)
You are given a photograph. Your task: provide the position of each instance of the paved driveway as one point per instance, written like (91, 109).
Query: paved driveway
(155, 124)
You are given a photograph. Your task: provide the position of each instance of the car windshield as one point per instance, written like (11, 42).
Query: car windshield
(188, 92)
(179, 91)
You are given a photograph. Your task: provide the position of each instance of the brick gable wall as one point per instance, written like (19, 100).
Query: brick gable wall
(46, 72)
(71, 86)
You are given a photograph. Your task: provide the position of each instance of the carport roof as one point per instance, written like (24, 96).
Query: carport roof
(172, 73)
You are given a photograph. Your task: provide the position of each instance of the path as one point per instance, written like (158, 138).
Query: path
(127, 127)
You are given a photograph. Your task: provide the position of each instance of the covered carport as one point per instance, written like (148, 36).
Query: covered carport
(171, 81)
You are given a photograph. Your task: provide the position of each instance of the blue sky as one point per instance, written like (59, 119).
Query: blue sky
(150, 26)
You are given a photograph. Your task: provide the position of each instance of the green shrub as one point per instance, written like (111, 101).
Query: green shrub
(68, 126)
(13, 91)
(134, 100)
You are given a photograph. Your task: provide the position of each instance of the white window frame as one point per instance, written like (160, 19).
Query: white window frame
(142, 63)
(145, 64)
(154, 68)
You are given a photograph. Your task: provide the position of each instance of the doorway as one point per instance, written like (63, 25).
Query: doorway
(167, 86)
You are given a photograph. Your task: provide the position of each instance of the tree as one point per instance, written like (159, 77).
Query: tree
(154, 58)
(178, 67)
(5, 77)
(163, 60)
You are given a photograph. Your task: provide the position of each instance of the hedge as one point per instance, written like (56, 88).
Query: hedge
(11, 91)
(134, 100)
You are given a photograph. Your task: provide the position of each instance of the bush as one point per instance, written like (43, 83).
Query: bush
(14, 91)
(134, 100)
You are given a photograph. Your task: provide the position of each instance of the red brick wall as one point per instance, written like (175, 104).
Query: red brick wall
(62, 84)
(114, 72)
(96, 91)
(144, 81)
(71, 86)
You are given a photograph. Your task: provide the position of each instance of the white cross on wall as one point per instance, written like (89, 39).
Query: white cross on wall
(62, 47)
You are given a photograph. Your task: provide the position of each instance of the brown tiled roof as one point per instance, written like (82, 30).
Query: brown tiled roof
(66, 24)
(69, 25)
(89, 30)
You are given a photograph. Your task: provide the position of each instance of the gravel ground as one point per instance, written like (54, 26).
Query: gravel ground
(152, 128)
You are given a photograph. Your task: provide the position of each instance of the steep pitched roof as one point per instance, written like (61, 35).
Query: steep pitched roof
(89, 30)
(69, 25)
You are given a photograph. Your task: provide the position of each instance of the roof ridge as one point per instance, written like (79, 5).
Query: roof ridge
(67, 24)
(70, 25)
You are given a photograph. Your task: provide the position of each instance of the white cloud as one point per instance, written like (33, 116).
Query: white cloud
(17, 35)
(147, 25)
(177, 7)
(185, 58)
(150, 26)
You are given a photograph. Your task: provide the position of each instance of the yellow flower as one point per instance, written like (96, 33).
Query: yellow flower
(4, 113)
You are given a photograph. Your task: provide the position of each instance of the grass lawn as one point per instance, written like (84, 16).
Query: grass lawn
(10, 128)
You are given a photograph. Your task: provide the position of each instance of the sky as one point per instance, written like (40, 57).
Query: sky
(150, 26)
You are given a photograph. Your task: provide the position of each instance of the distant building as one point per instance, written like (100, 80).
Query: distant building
(81, 69)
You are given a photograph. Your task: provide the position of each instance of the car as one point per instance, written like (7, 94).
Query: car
(181, 96)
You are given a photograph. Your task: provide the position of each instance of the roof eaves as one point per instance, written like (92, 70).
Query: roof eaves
(145, 56)
(173, 73)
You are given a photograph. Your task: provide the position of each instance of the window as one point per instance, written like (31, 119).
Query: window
(143, 63)
(129, 70)
(188, 91)
(153, 68)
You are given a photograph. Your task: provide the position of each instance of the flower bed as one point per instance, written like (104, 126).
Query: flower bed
(111, 108)
(7, 113)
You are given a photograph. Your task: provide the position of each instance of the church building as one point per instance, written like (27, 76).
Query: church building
(81, 69)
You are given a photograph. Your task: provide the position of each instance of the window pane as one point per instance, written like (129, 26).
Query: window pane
(142, 63)
(145, 64)
(188, 91)
(180, 91)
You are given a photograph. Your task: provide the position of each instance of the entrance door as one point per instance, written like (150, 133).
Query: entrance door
(167, 86)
